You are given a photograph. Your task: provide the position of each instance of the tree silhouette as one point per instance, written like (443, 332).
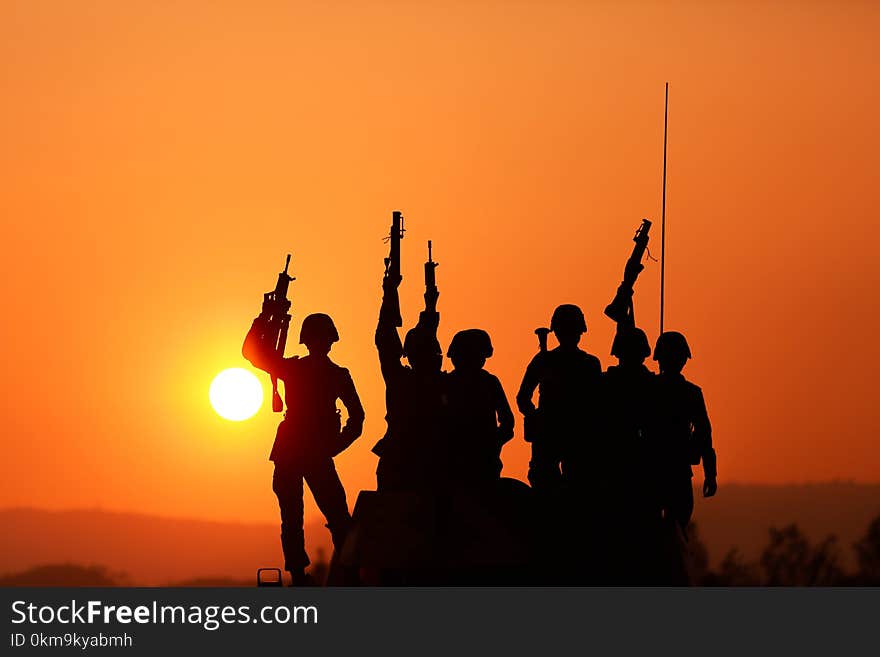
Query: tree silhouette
(790, 560)
(868, 553)
(735, 571)
(698, 555)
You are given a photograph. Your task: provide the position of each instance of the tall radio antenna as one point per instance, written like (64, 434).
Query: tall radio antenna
(663, 213)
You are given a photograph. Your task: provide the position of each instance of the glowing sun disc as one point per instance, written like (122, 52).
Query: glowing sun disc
(235, 394)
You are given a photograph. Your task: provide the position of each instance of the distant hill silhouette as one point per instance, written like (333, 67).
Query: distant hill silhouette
(151, 550)
(64, 575)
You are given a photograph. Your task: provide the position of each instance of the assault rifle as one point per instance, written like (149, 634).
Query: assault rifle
(392, 262)
(430, 272)
(276, 308)
(620, 309)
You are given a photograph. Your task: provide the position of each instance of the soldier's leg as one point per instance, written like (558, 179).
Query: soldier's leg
(388, 473)
(544, 473)
(681, 502)
(288, 486)
(330, 497)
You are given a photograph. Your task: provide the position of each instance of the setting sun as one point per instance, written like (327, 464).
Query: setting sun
(236, 394)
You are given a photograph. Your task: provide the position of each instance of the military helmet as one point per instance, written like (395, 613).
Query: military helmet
(318, 326)
(417, 340)
(671, 344)
(568, 317)
(630, 342)
(470, 342)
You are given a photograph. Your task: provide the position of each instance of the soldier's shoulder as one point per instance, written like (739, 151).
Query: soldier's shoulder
(539, 360)
(490, 378)
(680, 386)
(337, 369)
(539, 357)
(590, 359)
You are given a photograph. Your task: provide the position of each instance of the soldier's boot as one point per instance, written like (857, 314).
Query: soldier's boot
(295, 557)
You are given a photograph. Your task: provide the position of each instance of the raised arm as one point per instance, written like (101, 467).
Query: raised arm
(258, 350)
(429, 321)
(429, 318)
(387, 338)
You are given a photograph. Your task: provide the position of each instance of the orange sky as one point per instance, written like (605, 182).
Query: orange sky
(160, 158)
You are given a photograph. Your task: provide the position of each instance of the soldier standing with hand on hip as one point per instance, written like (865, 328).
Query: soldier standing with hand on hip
(310, 435)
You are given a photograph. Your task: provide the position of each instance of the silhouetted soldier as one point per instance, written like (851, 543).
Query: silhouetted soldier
(480, 419)
(309, 436)
(615, 473)
(566, 378)
(627, 394)
(412, 452)
(681, 435)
